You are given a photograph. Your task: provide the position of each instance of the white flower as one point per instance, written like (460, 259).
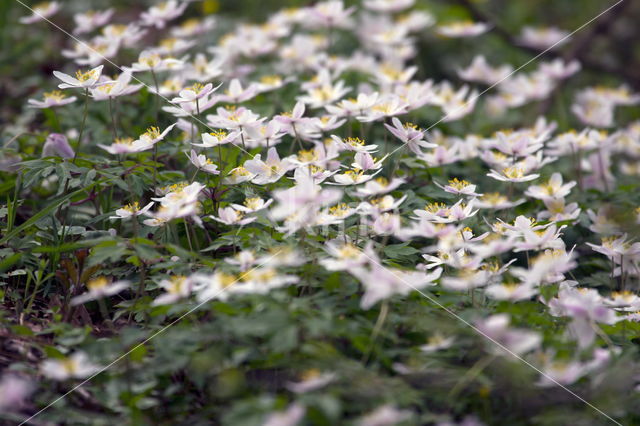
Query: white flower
(179, 201)
(84, 80)
(268, 171)
(380, 205)
(194, 93)
(517, 341)
(388, 6)
(14, 392)
(344, 257)
(353, 107)
(462, 29)
(352, 177)
(311, 380)
(381, 282)
(52, 99)
(176, 288)
(480, 71)
(496, 201)
(512, 174)
(364, 161)
(290, 417)
(511, 292)
(409, 134)
(160, 14)
(131, 210)
(124, 146)
(244, 260)
(353, 144)
(585, 307)
(41, 12)
(237, 94)
(152, 61)
(386, 224)
(89, 21)
(77, 366)
(120, 87)
(151, 137)
(231, 216)
(98, 288)
(238, 175)
(437, 342)
(216, 138)
(202, 163)
(542, 38)
(252, 204)
(459, 187)
(455, 104)
(386, 415)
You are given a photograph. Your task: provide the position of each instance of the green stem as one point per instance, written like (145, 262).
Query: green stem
(157, 105)
(186, 230)
(382, 317)
(84, 121)
(113, 119)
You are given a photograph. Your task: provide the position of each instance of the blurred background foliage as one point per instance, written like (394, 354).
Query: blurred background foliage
(607, 47)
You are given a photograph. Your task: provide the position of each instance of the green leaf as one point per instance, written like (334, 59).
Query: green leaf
(46, 211)
(396, 251)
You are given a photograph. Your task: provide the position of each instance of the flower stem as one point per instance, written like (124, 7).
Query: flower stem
(382, 317)
(157, 105)
(84, 121)
(113, 119)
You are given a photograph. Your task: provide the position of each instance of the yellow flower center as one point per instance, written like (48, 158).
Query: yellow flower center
(56, 95)
(123, 141)
(253, 203)
(219, 134)
(513, 172)
(133, 207)
(382, 202)
(354, 174)
(339, 210)
(85, 76)
(152, 132)
(382, 181)
(169, 43)
(177, 282)
(435, 207)
(176, 187)
(307, 155)
(190, 24)
(458, 185)
(349, 251)
(69, 365)
(41, 7)
(310, 374)
(197, 87)
(151, 61)
(97, 283)
(271, 80)
(240, 171)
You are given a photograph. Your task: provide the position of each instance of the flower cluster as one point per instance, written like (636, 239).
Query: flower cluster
(310, 159)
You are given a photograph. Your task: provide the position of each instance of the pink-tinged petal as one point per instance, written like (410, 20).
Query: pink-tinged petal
(272, 156)
(298, 110)
(235, 88)
(397, 123)
(397, 133)
(66, 78)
